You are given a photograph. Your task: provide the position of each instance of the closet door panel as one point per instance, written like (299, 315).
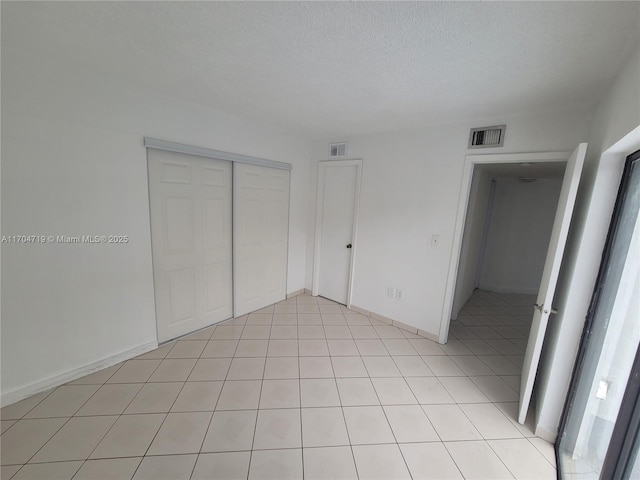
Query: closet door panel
(191, 231)
(261, 226)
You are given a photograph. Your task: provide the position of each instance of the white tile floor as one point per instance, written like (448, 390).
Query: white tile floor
(303, 389)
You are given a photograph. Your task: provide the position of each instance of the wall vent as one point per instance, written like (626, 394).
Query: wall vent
(338, 150)
(485, 137)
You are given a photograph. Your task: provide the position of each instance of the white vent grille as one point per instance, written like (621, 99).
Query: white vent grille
(485, 137)
(337, 150)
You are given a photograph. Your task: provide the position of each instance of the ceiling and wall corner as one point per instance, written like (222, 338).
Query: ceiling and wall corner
(84, 82)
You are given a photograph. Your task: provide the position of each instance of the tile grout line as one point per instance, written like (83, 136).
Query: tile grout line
(255, 427)
(479, 340)
(300, 389)
(163, 420)
(217, 401)
(214, 407)
(169, 411)
(501, 460)
(116, 420)
(72, 416)
(344, 418)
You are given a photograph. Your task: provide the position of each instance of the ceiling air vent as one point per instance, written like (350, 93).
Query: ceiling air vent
(485, 137)
(337, 150)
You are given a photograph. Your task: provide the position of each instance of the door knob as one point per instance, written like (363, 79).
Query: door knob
(349, 246)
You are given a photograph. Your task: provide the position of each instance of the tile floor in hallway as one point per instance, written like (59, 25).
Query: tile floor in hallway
(305, 389)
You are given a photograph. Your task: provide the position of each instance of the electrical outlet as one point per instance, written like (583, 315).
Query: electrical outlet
(391, 292)
(400, 295)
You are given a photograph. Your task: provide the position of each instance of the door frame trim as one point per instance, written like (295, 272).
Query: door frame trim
(463, 202)
(322, 165)
(211, 153)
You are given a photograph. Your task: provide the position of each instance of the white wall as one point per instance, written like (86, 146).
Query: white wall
(519, 231)
(410, 189)
(472, 238)
(615, 132)
(74, 163)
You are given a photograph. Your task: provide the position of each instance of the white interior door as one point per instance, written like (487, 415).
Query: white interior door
(261, 229)
(190, 200)
(338, 185)
(550, 276)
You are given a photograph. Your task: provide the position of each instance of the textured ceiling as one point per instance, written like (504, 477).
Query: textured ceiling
(338, 68)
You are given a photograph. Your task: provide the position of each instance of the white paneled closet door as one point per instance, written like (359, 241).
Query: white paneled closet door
(261, 226)
(191, 229)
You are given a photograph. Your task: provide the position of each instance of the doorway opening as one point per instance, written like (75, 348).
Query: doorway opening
(506, 237)
(552, 257)
(507, 229)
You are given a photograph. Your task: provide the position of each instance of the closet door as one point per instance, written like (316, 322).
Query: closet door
(191, 230)
(261, 225)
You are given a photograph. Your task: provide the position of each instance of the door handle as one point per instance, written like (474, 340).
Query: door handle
(541, 309)
(349, 246)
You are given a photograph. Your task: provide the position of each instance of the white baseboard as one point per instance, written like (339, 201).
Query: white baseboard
(296, 293)
(431, 336)
(395, 323)
(13, 396)
(359, 310)
(405, 327)
(509, 289)
(545, 434)
(381, 318)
